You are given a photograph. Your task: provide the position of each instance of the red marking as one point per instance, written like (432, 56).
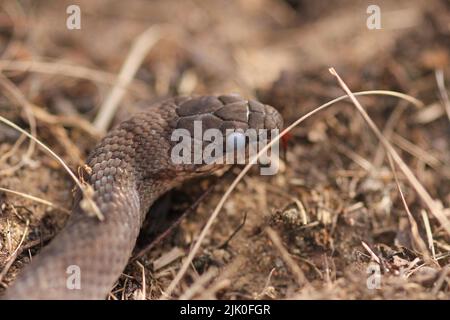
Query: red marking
(285, 139)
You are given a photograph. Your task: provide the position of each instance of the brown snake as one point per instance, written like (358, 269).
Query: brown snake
(130, 168)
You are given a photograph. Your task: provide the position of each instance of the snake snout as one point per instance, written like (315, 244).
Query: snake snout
(273, 119)
(211, 131)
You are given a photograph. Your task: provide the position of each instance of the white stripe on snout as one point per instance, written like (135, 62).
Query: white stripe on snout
(248, 112)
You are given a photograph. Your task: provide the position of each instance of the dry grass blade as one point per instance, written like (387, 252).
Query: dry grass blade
(414, 229)
(176, 223)
(443, 91)
(388, 130)
(253, 161)
(429, 114)
(430, 240)
(141, 47)
(14, 255)
(69, 121)
(356, 158)
(14, 149)
(14, 92)
(32, 112)
(42, 145)
(372, 254)
(64, 69)
(33, 198)
(141, 294)
(421, 191)
(87, 202)
(416, 151)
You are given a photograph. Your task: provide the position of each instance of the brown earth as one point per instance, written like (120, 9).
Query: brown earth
(333, 209)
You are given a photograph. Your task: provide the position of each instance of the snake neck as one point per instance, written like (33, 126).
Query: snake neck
(128, 167)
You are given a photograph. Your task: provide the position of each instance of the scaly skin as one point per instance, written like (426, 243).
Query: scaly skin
(131, 168)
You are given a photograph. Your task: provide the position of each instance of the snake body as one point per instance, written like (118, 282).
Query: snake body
(129, 169)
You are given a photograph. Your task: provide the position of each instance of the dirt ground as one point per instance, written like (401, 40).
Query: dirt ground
(332, 215)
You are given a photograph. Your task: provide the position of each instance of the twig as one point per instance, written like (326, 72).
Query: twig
(240, 226)
(64, 69)
(144, 289)
(421, 191)
(388, 130)
(26, 105)
(244, 171)
(372, 254)
(69, 121)
(141, 47)
(14, 148)
(416, 151)
(33, 198)
(443, 91)
(36, 242)
(430, 240)
(14, 255)
(413, 224)
(87, 203)
(176, 223)
(355, 157)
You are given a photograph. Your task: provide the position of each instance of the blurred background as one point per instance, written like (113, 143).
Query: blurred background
(335, 190)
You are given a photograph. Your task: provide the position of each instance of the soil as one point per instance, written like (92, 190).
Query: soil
(332, 214)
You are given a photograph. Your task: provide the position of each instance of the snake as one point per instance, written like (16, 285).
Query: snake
(129, 169)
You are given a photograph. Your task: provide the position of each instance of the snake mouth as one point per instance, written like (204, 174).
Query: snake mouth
(210, 132)
(131, 167)
(273, 119)
(206, 168)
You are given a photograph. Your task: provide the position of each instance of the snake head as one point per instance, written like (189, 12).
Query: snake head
(209, 132)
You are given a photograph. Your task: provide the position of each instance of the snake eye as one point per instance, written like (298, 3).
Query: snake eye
(235, 141)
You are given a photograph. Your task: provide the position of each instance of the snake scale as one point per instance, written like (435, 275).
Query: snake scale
(129, 169)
